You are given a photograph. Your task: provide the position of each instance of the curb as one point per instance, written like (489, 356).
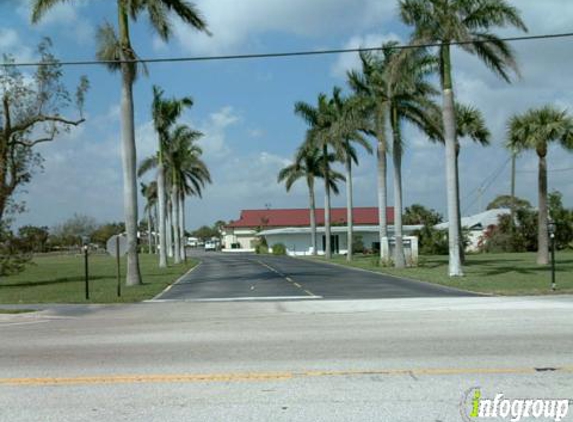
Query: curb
(157, 296)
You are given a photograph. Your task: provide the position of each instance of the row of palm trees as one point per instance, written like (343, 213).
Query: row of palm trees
(116, 49)
(180, 172)
(395, 86)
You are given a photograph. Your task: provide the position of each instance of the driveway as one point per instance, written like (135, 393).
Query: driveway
(265, 277)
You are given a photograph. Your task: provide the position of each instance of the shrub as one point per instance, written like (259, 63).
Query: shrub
(279, 249)
(358, 245)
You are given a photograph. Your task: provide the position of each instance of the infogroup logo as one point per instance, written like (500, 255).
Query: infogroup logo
(475, 407)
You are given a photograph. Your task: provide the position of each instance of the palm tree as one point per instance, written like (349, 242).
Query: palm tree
(470, 124)
(410, 99)
(189, 176)
(185, 174)
(469, 22)
(118, 47)
(149, 192)
(165, 113)
(370, 86)
(308, 165)
(536, 130)
(320, 120)
(349, 120)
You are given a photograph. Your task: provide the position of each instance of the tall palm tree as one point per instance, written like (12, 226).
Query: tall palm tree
(308, 165)
(320, 119)
(470, 124)
(410, 99)
(469, 22)
(118, 47)
(370, 86)
(536, 130)
(349, 121)
(165, 113)
(185, 174)
(189, 176)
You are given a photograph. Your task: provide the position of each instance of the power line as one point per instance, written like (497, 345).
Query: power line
(493, 177)
(278, 54)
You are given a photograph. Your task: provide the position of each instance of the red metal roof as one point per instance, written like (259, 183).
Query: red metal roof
(300, 217)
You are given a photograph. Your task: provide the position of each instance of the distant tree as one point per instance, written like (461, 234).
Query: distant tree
(72, 231)
(506, 201)
(418, 214)
(33, 239)
(205, 233)
(102, 233)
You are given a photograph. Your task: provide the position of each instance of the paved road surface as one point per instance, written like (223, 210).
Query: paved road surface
(376, 360)
(244, 276)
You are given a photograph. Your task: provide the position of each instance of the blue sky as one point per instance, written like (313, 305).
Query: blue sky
(245, 108)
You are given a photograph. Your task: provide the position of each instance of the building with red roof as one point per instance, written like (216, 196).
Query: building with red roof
(242, 233)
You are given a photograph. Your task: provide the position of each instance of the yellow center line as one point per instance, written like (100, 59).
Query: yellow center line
(259, 376)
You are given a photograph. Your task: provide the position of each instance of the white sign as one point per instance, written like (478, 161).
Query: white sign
(112, 245)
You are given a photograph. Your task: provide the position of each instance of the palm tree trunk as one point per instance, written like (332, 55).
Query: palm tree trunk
(455, 267)
(460, 228)
(149, 238)
(169, 229)
(156, 228)
(312, 215)
(161, 199)
(349, 209)
(542, 231)
(133, 274)
(327, 246)
(382, 189)
(175, 223)
(182, 226)
(399, 259)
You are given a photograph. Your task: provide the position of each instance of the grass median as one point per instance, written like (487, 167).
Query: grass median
(60, 279)
(498, 274)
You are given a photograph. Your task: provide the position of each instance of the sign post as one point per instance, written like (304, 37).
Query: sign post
(117, 246)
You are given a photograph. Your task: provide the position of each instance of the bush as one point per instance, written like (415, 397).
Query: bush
(358, 245)
(432, 241)
(279, 249)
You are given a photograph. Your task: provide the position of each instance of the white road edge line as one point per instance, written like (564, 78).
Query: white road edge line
(240, 299)
(156, 297)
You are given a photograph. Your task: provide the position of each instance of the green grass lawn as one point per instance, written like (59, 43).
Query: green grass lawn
(60, 279)
(499, 274)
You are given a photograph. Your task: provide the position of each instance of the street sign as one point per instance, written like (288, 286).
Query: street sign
(117, 243)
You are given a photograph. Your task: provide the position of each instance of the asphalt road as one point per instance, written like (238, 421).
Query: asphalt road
(334, 361)
(264, 277)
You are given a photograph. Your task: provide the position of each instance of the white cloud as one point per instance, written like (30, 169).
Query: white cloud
(235, 24)
(11, 43)
(64, 16)
(350, 61)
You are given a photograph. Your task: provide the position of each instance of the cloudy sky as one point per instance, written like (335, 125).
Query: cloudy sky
(245, 108)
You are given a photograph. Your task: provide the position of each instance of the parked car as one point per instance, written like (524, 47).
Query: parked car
(210, 246)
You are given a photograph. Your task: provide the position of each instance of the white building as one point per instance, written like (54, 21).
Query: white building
(242, 234)
(297, 240)
(477, 225)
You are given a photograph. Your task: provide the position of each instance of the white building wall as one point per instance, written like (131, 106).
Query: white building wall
(299, 244)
